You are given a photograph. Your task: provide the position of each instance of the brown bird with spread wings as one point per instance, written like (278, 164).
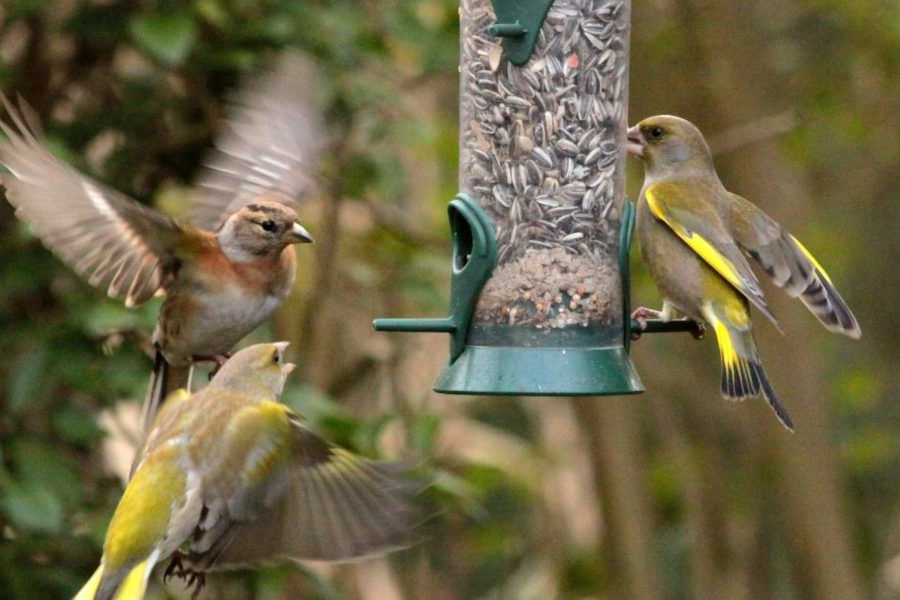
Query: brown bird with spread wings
(227, 268)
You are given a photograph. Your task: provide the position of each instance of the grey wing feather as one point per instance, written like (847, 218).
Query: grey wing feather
(790, 266)
(112, 241)
(335, 506)
(269, 147)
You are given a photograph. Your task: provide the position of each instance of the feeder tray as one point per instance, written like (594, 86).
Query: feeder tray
(581, 363)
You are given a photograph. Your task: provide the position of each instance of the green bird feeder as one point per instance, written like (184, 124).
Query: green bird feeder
(541, 229)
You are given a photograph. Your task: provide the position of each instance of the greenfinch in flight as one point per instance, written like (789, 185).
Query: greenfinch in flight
(228, 476)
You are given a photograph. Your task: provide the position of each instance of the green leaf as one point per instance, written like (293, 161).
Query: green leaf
(77, 426)
(102, 317)
(212, 12)
(424, 431)
(26, 379)
(32, 506)
(41, 465)
(168, 37)
(21, 8)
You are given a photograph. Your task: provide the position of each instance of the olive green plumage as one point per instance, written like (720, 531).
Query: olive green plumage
(228, 476)
(695, 236)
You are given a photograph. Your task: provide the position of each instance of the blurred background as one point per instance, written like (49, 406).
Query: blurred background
(673, 494)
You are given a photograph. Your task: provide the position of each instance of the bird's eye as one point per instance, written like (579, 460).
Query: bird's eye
(655, 132)
(276, 358)
(268, 225)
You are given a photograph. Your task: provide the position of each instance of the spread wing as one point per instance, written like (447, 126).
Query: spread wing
(112, 241)
(790, 265)
(269, 147)
(330, 505)
(698, 224)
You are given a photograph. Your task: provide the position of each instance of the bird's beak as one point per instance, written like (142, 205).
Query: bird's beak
(635, 142)
(286, 368)
(299, 235)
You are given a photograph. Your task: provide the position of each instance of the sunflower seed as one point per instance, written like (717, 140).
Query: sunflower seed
(539, 152)
(567, 147)
(542, 157)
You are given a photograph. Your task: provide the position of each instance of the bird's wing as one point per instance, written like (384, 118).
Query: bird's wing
(698, 224)
(112, 241)
(159, 510)
(159, 428)
(790, 265)
(269, 146)
(330, 505)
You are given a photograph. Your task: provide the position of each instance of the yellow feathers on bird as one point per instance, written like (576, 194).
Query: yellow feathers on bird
(695, 236)
(228, 476)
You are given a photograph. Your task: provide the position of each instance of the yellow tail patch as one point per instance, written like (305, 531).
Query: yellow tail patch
(742, 373)
(90, 588)
(738, 380)
(133, 586)
(732, 363)
(726, 345)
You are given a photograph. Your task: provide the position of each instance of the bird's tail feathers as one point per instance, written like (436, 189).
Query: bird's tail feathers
(743, 375)
(89, 590)
(128, 585)
(164, 380)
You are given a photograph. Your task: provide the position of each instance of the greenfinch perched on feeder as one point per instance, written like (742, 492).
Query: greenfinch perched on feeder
(228, 476)
(694, 235)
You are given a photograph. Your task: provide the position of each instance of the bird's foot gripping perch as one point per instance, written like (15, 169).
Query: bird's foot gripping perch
(191, 578)
(641, 314)
(663, 323)
(699, 330)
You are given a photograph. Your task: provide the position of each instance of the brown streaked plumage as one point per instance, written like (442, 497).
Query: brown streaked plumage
(223, 272)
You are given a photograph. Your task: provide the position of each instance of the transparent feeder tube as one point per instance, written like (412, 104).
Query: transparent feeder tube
(542, 149)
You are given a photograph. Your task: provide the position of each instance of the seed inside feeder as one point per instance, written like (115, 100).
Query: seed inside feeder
(541, 152)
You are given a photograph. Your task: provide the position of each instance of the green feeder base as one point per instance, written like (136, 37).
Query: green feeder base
(521, 361)
(500, 370)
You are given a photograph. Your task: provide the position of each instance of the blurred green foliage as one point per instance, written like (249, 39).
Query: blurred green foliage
(133, 92)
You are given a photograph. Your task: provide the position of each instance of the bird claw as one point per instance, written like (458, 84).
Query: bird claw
(640, 315)
(197, 580)
(191, 578)
(699, 331)
(176, 567)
